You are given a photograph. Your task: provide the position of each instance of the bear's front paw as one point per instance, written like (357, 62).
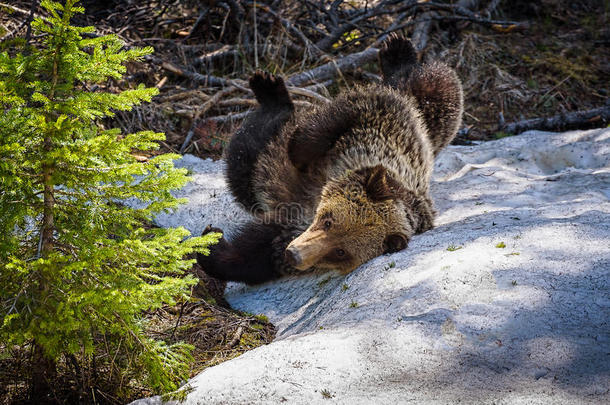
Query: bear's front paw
(209, 229)
(269, 89)
(222, 242)
(209, 263)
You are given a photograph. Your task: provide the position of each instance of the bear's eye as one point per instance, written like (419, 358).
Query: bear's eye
(337, 256)
(327, 224)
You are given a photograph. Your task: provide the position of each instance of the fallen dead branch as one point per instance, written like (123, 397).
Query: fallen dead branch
(421, 30)
(230, 117)
(302, 91)
(224, 52)
(17, 9)
(236, 336)
(576, 119)
(204, 108)
(205, 80)
(332, 69)
(251, 103)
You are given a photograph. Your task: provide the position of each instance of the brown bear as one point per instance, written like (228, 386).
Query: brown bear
(336, 186)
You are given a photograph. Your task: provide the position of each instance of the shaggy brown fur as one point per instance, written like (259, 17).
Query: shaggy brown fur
(339, 185)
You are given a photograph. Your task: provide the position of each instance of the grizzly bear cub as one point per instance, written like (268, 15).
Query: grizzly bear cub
(336, 186)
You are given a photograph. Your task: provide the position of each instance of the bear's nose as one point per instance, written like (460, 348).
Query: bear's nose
(292, 256)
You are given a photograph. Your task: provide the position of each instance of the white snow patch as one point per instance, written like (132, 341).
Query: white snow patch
(523, 324)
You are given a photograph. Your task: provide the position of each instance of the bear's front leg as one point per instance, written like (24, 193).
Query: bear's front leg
(248, 257)
(270, 91)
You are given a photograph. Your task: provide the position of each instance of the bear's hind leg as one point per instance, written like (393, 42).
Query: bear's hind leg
(438, 91)
(435, 86)
(397, 59)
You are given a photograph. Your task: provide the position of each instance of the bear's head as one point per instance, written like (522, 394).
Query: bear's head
(361, 215)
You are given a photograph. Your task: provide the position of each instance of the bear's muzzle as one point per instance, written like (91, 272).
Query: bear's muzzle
(306, 250)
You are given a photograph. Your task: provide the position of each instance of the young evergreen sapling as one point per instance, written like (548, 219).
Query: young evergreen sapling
(77, 266)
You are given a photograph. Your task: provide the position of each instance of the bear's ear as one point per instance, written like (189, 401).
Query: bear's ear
(394, 242)
(377, 185)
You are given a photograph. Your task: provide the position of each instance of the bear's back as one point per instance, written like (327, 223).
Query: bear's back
(387, 130)
(363, 127)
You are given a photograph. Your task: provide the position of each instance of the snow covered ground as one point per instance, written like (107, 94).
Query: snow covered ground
(507, 300)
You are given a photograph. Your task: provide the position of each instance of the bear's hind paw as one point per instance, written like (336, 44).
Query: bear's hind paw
(397, 53)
